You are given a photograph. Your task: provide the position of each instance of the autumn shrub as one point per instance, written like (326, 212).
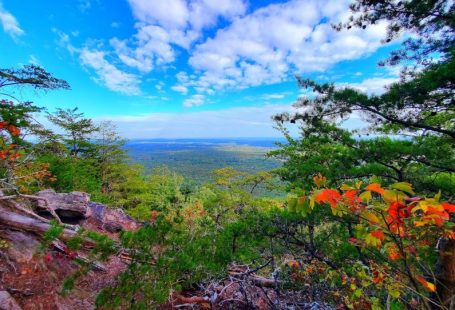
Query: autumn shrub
(394, 235)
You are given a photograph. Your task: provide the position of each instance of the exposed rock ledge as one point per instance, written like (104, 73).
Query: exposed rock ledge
(27, 281)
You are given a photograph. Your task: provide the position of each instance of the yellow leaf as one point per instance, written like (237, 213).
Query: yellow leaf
(419, 223)
(394, 293)
(366, 196)
(422, 205)
(390, 196)
(404, 187)
(437, 196)
(346, 187)
(372, 240)
(370, 217)
(312, 202)
(358, 184)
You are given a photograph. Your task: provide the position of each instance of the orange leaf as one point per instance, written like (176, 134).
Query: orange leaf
(392, 252)
(375, 187)
(13, 130)
(378, 277)
(428, 285)
(351, 198)
(330, 196)
(319, 180)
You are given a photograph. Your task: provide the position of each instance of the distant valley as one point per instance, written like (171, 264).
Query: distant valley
(195, 159)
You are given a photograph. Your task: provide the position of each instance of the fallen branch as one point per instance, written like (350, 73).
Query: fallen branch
(25, 223)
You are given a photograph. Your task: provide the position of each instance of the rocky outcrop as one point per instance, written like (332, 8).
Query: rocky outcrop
(69, 205)
(32, 278)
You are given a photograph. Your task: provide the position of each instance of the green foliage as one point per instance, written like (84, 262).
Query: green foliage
(418, 110)
(53, 233)
(78, 130)
(16, 121)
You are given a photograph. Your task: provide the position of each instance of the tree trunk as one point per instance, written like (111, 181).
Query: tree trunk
(445, 273)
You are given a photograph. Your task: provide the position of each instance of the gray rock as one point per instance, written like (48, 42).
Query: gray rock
(7, 302)
(74, 204)
(112, 227)
(22, 245)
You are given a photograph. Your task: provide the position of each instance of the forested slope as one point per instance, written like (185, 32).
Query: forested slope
(363, 223)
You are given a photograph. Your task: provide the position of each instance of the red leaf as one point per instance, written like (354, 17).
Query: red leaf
(398, 212)
(378, 234)
(351, 199)
(449, 207)
(48, 257)
(13, 130)
(330, 196)
(353, 240)
(153, 216)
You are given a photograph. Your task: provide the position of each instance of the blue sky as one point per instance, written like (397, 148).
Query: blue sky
(189, 68)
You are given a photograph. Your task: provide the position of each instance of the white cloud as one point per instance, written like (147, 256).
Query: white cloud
(10, 23)
(109, 75)
(251, 48)
(159, 86)
(194, 101)
(376, 85)
(274, 42)
(180, 89)
(162, 25)
(275, 96)
(232, 122)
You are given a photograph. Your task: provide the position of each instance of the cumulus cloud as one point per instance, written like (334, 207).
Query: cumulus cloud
(163, 25)
(232, 122)
(376, 85)
(227, 46)
(194, 101)
(276, 41)
(180, 89)
(109, 75)
(9, 23)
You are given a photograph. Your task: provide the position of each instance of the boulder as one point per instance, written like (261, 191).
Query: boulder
(109, 219)
(7, 302)
(69, 205)
(21, 245)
